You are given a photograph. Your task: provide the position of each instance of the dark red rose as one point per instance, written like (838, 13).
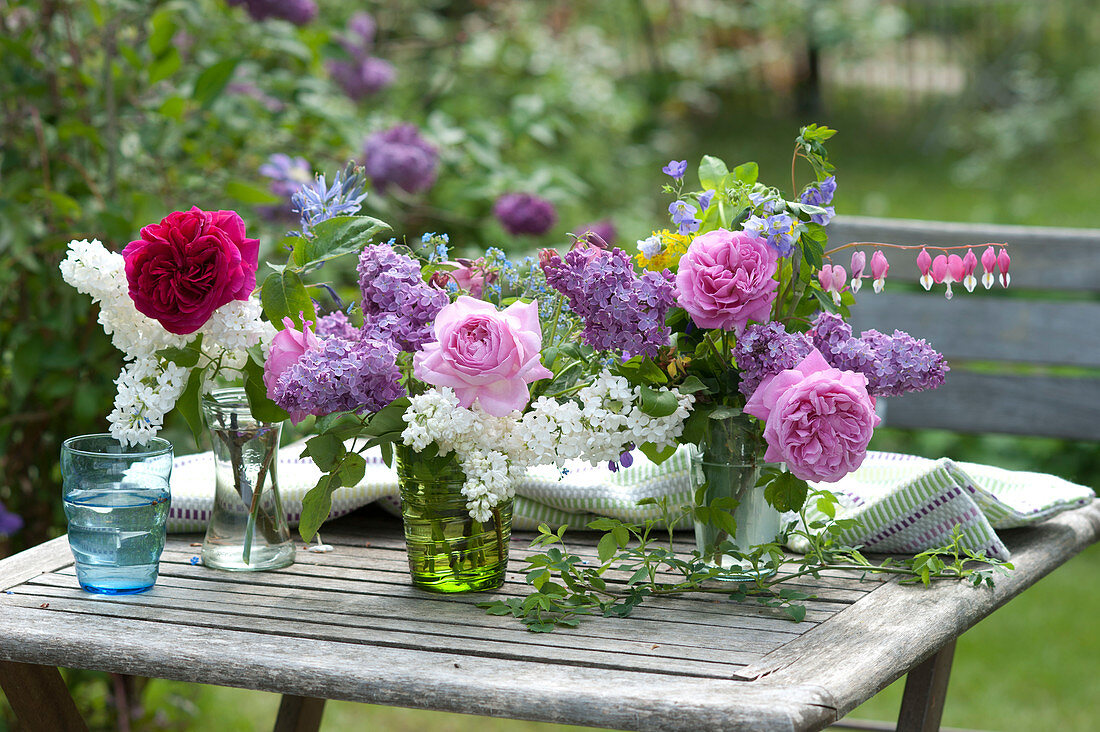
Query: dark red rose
(190, 264)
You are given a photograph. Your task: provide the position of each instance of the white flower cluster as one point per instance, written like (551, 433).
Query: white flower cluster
(148, 386)
(599, 425)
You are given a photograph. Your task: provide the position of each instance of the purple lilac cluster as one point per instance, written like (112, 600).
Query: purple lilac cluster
(893, 364)
(400, 157)
(821, 194)
(765, 349)
(524, 213)
(9, 522)
(620, 310)
(339, 376)
(336, 324)
(397, 303)
(365, 74)
(298, 12)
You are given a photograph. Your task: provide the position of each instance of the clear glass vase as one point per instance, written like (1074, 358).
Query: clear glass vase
(248, 530)
(448, 550)
(727, 465)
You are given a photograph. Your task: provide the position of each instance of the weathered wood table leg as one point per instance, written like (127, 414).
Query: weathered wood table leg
(299, 714)
(925, 692)
(41, 700)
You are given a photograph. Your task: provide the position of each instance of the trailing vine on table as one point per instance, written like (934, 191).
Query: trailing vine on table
(638, 561)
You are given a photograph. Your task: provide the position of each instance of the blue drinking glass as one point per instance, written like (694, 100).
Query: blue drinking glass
(116, 500)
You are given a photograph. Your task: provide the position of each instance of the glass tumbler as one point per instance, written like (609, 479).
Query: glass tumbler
(116, 500)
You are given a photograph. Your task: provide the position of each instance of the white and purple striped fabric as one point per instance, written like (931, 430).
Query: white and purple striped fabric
(905, 504)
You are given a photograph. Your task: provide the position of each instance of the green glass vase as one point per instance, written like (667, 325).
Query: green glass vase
(448, 550)
(727, 465)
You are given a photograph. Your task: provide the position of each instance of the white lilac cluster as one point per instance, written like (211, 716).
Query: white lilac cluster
(149, 386)
(602, 422)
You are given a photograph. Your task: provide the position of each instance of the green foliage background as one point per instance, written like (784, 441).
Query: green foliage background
(114, 113)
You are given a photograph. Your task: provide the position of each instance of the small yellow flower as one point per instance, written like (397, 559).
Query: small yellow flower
(673, 246)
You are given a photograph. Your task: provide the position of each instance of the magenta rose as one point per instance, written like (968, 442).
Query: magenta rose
(726, 279)
(190, 264)
(485, 355)
(817, 419)
(286, 348)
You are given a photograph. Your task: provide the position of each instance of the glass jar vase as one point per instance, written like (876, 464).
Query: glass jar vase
(727, 465)
(449, 551)
(248, 529)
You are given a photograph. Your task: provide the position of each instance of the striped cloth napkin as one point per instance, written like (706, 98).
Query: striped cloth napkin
(905, 504)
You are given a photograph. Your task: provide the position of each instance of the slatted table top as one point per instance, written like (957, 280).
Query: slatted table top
(348, 625)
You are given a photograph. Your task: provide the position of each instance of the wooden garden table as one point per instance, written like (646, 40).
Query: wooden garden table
(348, 625)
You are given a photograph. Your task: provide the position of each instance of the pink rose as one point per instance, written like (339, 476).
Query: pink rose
(287, 347)
(484, 355)
(726, 279)
(817, 419)
(190, 264)
(471, 275)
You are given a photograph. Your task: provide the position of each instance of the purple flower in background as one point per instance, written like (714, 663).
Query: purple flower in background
(620, 310)
(361, 78)
(675, 169)
(400, 156)
(364, 74)
(893, 364)
(524, 213)
(298, 12)
(248, 89)
(397, 303)
(316, 202)
(9, 522)
(604, 230)
(287, 174)
(336, 324)
(765, 349)
(340, 375)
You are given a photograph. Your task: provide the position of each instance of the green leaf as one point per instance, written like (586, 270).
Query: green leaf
(658, 403)
(711, 171)
(316, 506)
(747, 173)
(213, 80)
(352, 469)
(693, 384)
(164, 67)
(336, 237)
(388, 419)
(188, 404)
(259, 403)
(622, 536)
(641, 370)
(164, 28)
(657, 456)
(187, 357)
(284, 296)
(172, 107)
(250, 193)
(724, 521)
(786, 492)
(607, 547)
(326, 450)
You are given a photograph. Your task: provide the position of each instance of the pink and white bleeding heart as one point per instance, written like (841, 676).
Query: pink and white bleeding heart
(485, 355)
(832, 278)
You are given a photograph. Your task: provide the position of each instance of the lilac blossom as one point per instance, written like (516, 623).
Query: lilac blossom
(340, 375)
(603, 230)
(400, 157)
(397, 303)
(298, 12)
(765, 349)
(620, 310)
(9, 522)
(364, 74)
(524, 213)
(336, 324)
(893, 364)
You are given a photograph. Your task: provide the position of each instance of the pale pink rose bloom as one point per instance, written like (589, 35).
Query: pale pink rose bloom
(470, 275)
(726, 279)
(817, 419)
(485, 355)
(286, 348)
